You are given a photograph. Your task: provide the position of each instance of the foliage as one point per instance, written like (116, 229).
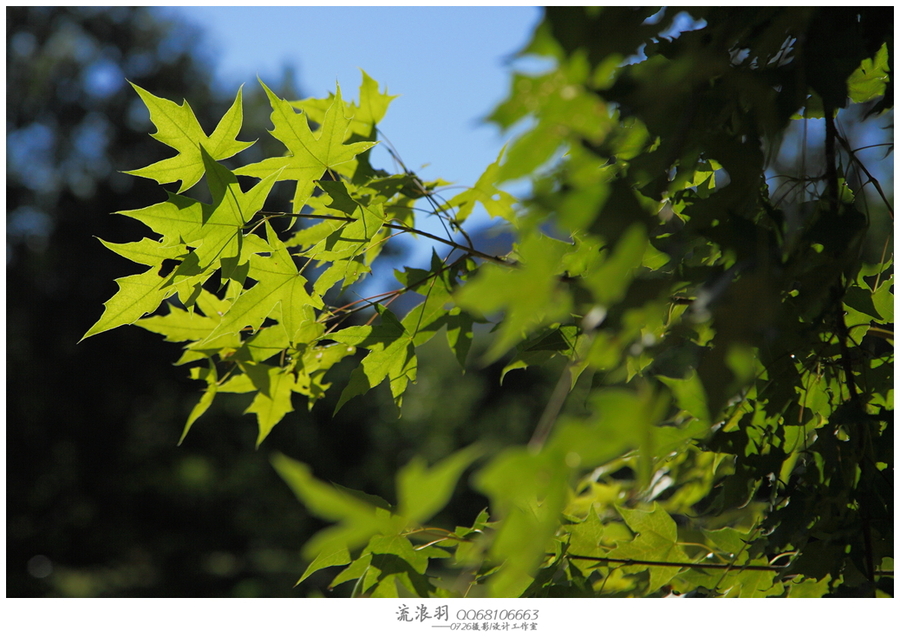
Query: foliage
(732, 351)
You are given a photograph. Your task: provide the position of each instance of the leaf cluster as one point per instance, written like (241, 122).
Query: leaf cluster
(723, 422)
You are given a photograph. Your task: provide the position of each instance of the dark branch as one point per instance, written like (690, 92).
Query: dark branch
(627, 562)
(468, 250)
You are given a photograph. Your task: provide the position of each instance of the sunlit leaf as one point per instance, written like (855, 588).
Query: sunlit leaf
(138, 295)
(279, 284)
(177, 126)
(870, 79)
(310, 154)
(530, 295)
(656, 539)
(391, 356)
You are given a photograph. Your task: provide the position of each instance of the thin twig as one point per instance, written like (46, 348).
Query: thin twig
(369, 301)
(868, 174)
(471, 251)
(630, 562)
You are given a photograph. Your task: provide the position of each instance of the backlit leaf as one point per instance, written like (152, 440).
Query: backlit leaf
(530, 295)
(279, 284)
(138, 295)
(870, 79)
(310, 154)
(391, 356)
(177, 126)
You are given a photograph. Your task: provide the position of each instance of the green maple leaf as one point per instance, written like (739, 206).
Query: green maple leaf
(177, 126)
(870, 80)
(138, 295)
(354, 240)
(141, 294)
(530, 294)
(656, 540)
(278, 284)
(372, 107)
(497, 202)
(273, 398)
(214, 230)
(392, 356)
(273, 386)
(350, 246)
(182, 325)
(179, 325)
(422, 491)
(178, 219)
(334, 555)
(357, 517)
(394, 560)
(224, 220)
(211, 377)
(311, 154)
(147, 251)
(426, 319)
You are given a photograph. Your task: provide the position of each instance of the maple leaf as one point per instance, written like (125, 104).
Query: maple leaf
(278, 283)
(311, 154)
(273, 399)
(372, 107)
(358, 518)
(392, 355)
(214, 230)
(497, 202)
(656, 539)
(422, 491)
(138, 295)
(177, 126)
(211, 377)
(180, 325)
(530, 295)
(146, 251)
(224, 220)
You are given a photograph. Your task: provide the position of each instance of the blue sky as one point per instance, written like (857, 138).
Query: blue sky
(449, 65)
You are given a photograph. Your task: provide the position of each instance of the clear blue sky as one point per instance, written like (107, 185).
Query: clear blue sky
(450, 66)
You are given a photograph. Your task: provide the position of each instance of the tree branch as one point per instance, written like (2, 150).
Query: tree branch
(862, 167)
(629, 562)
(468, 250)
